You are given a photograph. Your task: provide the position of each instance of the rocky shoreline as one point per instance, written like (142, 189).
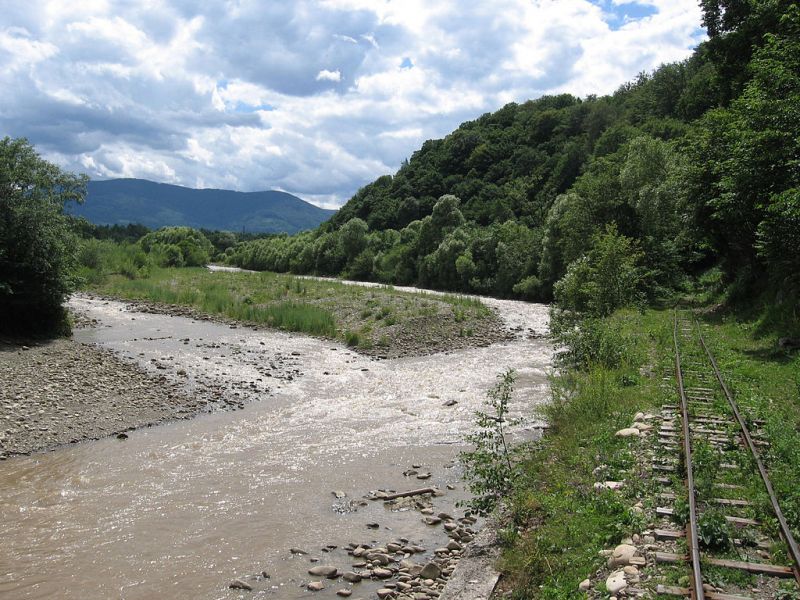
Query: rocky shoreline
(401, 569)
(61, 392)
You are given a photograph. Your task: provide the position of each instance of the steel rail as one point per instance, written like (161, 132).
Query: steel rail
(691, 534)
(786, 532)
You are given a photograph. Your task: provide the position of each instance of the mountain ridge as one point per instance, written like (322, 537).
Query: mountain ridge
(130, 200)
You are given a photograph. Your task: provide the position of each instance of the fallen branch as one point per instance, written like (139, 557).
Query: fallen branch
(427, 490)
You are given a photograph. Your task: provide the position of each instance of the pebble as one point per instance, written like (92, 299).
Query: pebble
(315, 586)
(585, 585)
(430, 571)
(238, 584)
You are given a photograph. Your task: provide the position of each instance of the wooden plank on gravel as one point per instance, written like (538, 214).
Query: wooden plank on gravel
(663, 511)
(752, 567)
(672, 590)
(668, 534)
(721, 596)
(732, 502)
(666, 468)
(669, 557)
(742, 521)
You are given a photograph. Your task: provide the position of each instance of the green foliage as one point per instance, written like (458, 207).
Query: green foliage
(37, 247)
(178, 247)
(488, 468)
(606, 279)
(713, 530)
(746, 176)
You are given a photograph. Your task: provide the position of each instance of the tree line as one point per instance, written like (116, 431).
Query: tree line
(690, 166)
(594, 203)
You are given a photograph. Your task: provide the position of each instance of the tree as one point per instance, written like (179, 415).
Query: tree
(36, 245)
(608, 277)
(179, 246)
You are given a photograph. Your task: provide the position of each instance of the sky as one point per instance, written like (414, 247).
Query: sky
(313, 97)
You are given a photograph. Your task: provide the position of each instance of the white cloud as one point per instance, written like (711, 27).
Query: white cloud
(239, 95)
(326, 75)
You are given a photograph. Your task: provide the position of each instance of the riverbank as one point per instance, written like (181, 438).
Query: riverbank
(378, 321)
(63, 391)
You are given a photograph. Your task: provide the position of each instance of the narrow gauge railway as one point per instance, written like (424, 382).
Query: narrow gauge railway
(712, 460)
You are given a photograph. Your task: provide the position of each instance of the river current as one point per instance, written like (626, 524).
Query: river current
(179, 510)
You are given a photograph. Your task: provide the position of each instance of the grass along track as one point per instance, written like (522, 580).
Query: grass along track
(377, 320)
(721, 465)
(584, 490)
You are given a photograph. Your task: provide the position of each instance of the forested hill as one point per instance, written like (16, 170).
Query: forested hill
(691, 166)
(123, 201)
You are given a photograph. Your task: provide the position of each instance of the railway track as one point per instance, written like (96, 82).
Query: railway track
(711, 459)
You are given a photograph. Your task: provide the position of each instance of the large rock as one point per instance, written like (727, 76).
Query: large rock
(324, 571)
(616, 582)
(352, 577)
(430, 571)
(621, 556)
(628, 432)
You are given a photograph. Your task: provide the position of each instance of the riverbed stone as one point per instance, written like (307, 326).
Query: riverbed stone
(352, 577)
(585, 585)
(315, 586)
(324, 571)
(430, 571)
(238, 584)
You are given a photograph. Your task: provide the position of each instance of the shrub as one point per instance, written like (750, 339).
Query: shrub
(488, 468)
(178, 246)
(37, 247)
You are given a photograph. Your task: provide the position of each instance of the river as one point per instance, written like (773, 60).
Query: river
(179, 510)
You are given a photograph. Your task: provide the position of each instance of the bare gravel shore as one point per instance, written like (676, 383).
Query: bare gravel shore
(61, 392)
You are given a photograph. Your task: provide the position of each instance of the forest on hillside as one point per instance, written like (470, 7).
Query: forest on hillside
(599, 201)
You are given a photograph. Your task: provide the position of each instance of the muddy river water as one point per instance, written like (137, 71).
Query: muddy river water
(179, 510)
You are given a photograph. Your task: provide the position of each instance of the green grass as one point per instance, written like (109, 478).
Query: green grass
(563, 521)
(559, 524)
(362, 317)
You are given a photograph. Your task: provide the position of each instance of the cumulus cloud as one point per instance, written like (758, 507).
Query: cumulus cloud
(326, 75)
(315, 97)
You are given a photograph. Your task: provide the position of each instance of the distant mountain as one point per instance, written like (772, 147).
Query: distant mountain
(123, 201)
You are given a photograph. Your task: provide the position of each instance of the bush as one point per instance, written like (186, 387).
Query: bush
(605, 279)
(37, 247)
(488, 468)
(178, 247)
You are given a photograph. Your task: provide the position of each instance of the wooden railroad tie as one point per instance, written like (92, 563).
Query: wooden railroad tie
(750, 567)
